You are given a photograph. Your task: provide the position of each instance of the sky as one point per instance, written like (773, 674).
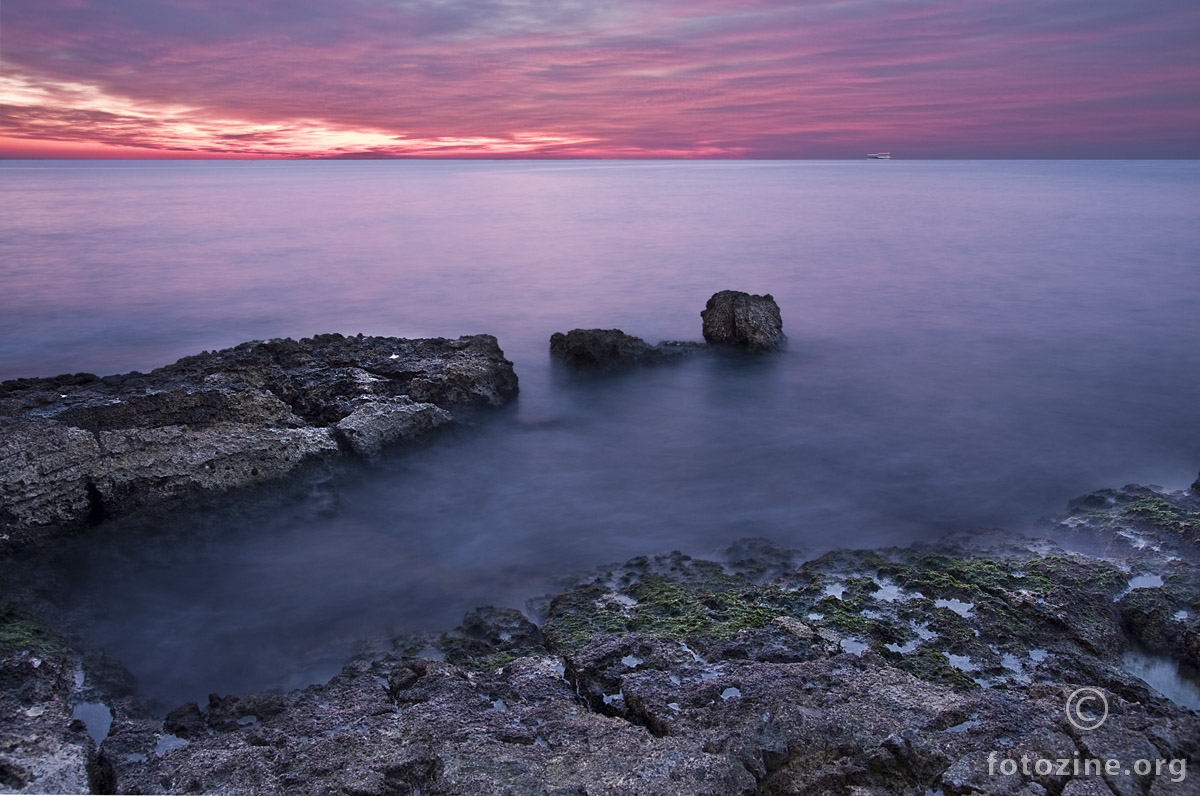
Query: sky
(599, 78)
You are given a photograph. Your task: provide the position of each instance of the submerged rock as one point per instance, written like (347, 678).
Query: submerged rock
(76, 449)
(611, 348)
(753, 322)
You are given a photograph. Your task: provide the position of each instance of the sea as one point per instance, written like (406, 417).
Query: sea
(972, 344)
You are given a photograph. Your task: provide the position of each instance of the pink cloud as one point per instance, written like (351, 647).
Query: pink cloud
(553, 78)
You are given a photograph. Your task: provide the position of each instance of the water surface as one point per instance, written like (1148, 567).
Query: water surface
(973, 343)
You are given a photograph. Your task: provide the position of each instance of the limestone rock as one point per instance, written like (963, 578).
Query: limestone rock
(377, 425)
(677, 675)
(612, 348)
(186, 721)
(43, 749)
(747, 321)
(76, 449)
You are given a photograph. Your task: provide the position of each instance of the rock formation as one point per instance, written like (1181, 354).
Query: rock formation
(610, 348)
(43, 749)
(740, 319)
(874, 673)
(731, 318)
(75, 449)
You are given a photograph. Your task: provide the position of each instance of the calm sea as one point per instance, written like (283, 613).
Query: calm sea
(972, 344)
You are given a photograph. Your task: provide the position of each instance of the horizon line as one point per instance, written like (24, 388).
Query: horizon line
(541, 159)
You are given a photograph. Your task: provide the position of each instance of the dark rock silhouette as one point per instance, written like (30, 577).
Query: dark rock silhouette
(753, 322)
(612, 348)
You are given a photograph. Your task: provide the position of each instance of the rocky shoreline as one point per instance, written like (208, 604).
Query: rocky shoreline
(75, 450)
(78, 449)
(934, 669)
(868, 672)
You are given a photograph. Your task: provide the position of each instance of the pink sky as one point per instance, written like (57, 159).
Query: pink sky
(599, 78)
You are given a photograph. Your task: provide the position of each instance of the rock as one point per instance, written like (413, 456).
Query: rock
(501, 628)
(1100, 516)
(740, 319)
(598, 347)
(186, 721)
(730, 318)
(1196, 487)
(43, 748)
(795, 627)
(678, 675)
(377, 425)
(833, 725)
(612, 348)
(77, 449)
(1092, 786)
(230, 712)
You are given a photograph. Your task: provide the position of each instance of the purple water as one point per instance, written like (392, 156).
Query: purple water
(973, 343)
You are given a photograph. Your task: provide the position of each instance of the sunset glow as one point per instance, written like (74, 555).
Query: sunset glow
(558, 78)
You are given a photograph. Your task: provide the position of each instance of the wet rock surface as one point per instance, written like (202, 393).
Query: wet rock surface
(731, 318)
(45, 745)
(76, 449)
(924, 669)
(604, 349)
(748, 321)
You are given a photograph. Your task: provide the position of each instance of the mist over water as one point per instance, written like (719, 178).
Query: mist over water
(972, 344)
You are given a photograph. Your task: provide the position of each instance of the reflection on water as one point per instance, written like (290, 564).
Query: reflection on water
(97, 717)
(972, 344)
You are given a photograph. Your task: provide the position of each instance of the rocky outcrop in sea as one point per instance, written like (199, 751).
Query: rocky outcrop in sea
(610, 348)
(953, 668)
(77, 449)
(730, 319)
(747, 321)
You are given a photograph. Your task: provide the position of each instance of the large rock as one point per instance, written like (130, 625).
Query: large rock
(740, 319)
(611, 348)
(75, 449)
(376, 425)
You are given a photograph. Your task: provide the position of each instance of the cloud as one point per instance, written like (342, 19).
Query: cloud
(78, 113)
(706, 78)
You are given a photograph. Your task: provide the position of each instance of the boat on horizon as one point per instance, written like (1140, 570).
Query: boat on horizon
(880, 156)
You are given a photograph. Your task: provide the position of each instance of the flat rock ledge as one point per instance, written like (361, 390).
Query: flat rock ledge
(76, 449)
(926, 669)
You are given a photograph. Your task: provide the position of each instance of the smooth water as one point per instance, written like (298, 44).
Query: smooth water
(972, 344)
